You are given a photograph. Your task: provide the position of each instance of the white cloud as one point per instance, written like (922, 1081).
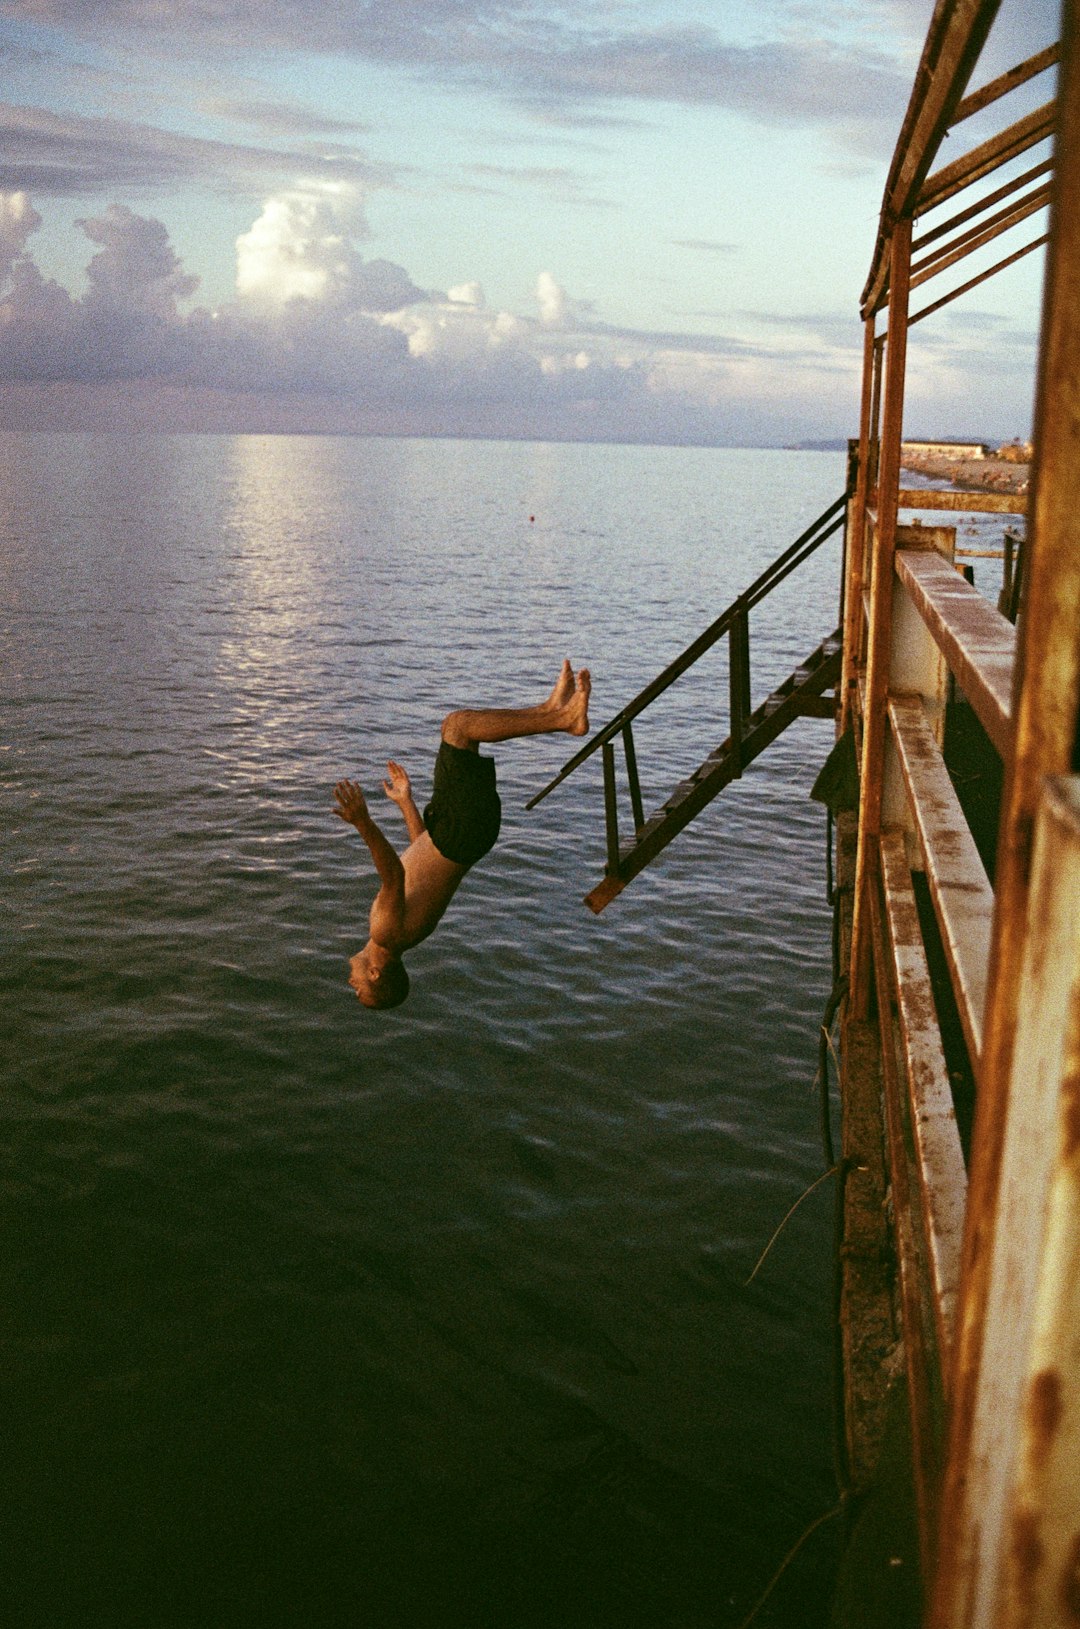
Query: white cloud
(466, 294)
(137, 269)
(551, 298)
(301, 247)
(18, 219)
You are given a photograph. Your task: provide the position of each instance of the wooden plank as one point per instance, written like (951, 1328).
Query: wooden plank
(976, 503)
(939, 1158)
(961, 891)
(976, 640)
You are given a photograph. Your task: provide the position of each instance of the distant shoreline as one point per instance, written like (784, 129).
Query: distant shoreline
(981, 474)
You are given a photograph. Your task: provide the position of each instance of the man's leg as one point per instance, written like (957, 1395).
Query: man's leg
(566, 709)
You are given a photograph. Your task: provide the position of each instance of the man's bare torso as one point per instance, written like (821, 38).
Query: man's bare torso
(431, 880)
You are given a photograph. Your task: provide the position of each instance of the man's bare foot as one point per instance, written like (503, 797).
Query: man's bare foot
(564, 688)
(577, 706)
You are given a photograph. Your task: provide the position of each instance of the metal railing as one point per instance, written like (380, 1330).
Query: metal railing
(735, 622)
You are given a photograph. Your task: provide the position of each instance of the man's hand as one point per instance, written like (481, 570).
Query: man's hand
(351, 805)
(398, 788)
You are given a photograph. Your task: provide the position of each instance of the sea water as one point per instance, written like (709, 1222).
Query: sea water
(315, 1316)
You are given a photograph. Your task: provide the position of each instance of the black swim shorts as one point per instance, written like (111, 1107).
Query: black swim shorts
(464, 813)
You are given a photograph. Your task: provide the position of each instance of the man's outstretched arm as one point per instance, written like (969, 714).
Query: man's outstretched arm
(351, 806)
(398, 789)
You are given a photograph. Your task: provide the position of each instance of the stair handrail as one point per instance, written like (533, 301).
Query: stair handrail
(808, 542)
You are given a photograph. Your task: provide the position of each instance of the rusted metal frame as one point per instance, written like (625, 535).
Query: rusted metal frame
(815, 707)
(947, 254)
(921, 1359)
(875, 422)
(632, 777)
(978, 503)
(942, 1178)
(1007, 573)
(1012, 576)
(867, 1316)
(975, 639)
(955, 39)
(1045, 704)
(987, 157)
(611, 810)
(697, 790)
(1043, 1497)
(1006, 82)
(1018, 1567)
(983, 204)
(855, 535)
(878, 643)
(965, 288)
(959, 887)
(793, 556)
(739, 681)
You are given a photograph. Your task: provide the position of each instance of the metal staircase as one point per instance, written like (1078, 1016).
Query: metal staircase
(751, 729)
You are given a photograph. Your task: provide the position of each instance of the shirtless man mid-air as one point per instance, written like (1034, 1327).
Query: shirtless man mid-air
(457, 828)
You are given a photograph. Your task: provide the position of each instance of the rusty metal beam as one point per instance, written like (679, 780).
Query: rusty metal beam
(977, 642)
(978, 503)
(956, 36)
(982, 205)
(1004, 83)
(1018, 1567)
(987, 157)
(880, 629)
(965, 288)
(1043, 1499)
(961, 891)
(855, 538)
(921, 1360)
(976, 237)
(1045, 706)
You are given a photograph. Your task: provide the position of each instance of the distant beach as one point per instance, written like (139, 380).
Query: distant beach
(996, 473)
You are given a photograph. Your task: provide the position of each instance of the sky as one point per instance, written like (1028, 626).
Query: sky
(628, 220)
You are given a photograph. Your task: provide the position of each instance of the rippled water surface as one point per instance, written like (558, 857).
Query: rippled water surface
(315, 1316)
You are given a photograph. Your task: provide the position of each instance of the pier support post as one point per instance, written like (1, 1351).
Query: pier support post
(1002, 1367)
(881, 598)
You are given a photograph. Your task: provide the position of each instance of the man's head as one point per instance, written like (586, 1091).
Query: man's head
(380, 980)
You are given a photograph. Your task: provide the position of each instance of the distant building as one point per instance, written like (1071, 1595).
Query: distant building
(946, 449)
